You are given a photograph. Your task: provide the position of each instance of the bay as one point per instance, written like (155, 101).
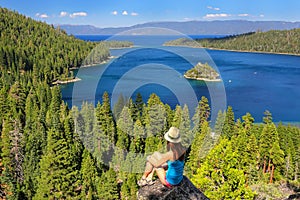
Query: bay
(253, 82)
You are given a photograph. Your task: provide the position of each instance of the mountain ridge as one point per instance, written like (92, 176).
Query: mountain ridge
(216, 27)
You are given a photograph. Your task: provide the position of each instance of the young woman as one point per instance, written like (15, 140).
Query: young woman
(168, 166)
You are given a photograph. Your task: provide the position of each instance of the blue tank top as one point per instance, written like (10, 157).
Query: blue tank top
(175, 172)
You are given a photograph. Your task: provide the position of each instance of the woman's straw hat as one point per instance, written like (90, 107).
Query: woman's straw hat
(173, 135)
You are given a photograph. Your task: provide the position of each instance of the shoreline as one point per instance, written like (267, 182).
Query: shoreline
(241, 51)
(105, 61)
(116, 48)
(244, 51)
(92, 65)
(187, 46)
(59, 82)
(102, 63)
(203, 79)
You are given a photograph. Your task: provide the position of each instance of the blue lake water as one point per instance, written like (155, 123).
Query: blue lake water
(252, 82)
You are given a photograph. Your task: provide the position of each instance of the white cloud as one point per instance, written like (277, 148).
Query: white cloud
(63, 14)
(44, 16)
(78, 14)
(212, 8)
(134, 14)
(114, 12)
(222, 15)
(124, 12)
(41, 15)
(244, 15)
(262, 15)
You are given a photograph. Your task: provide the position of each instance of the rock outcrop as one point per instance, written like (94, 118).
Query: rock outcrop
(184, 191)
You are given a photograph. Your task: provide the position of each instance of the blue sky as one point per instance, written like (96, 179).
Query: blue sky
(114, 13)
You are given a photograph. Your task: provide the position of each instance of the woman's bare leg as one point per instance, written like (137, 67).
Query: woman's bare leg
(161, 173)
(150, 176)
(149, 170)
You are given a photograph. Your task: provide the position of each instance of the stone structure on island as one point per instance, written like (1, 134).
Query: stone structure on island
(184, 191)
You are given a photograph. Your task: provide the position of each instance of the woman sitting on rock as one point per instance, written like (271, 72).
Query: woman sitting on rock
(168, 166)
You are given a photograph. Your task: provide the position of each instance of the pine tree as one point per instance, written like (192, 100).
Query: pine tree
(53, 118)
(139, 104)
(270, 152)
(137, 143)
(7, 174)
(129, 188)
(125, 128)
(267, 119)
(85, 125)
(219, 123)
(169, 118)
(177, 117)
(286, 143)
(153, 144)
(104, 131)
(3, 104)
(155, 117)
(202, 114)
(16, 99)
(88, 177)
(12, 153)
(155, 123)
(59, 165)
(106, 120)
(296, 155)
(201, 146)
(246, 147)
(136, 107)
(185, 127)
(219, 178)
(35, 142)
(248, 121)
(228, 128)
(108, 186)
(118, 107)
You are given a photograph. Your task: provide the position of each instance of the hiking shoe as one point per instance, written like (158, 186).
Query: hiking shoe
(150, 182)
(144, 182)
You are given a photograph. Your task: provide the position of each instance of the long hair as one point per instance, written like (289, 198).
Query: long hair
(177, 149)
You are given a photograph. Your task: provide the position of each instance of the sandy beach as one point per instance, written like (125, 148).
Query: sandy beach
(59, 82)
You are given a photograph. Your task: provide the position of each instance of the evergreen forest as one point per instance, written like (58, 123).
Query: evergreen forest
(51, 151)
(275, 41)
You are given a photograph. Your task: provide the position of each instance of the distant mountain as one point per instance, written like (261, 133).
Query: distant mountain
(190, 27)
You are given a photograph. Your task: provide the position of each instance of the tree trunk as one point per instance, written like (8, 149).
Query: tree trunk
(272, 174)
(269, 166)
(264, 169)
(247, 178)
(287, 166)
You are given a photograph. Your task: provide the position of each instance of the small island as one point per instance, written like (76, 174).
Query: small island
(203, 72)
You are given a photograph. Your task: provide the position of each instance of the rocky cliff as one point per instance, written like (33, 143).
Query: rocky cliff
(184, 191)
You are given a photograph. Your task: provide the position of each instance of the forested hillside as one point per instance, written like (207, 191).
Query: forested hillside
(49, 151)
(275, 41)
(27, 45)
